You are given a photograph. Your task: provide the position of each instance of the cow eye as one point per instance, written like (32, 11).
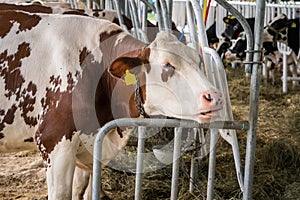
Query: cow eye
(168, 66)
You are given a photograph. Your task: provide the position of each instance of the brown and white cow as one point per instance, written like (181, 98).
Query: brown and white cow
(64, 76)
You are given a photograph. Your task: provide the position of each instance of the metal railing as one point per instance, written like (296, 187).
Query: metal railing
(129, 122)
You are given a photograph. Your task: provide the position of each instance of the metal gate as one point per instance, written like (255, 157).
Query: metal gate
(216, 75)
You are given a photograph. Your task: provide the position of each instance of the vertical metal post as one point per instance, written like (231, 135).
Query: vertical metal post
(170, 11)
(214, 135)
(284, 74)
(165, 15)
(140, 162)
(176, 162)
(119, 13)
(202, 38)
(159, 15)
(254, 101)
(191, 24)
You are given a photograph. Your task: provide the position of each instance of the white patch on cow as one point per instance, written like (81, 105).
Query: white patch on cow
(60, 173)
(188, 80)
(112, 144)
(14, 136)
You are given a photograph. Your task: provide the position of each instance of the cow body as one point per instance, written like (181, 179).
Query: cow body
(284, 30)
(64, 76)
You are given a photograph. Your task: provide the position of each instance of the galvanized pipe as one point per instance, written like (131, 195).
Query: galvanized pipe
(165, 15)
(129, 122)
(149, 5)
(202, 37)
(192, 26)
(134, 18)
(140, 163)
(254, 101)
(214, 136)
(159, 16)
(231, 138)
(119, 13)
(176, 162)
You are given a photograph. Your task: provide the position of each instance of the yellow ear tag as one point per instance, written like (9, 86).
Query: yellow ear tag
(293, 25)
(129, 78)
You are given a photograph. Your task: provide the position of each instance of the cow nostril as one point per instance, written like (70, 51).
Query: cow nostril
(207, 97)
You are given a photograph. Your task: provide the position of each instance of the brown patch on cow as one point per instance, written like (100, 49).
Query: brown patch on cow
(1, 136)
(52, 95)
(144, 56)
(14, 85)
(29, 139)
(27, 105)
(96, 14)
(8, 117)
(127, 22)
(11, 73)
(83, 54)
(105, 35)
(75, 12)
(57, 121)
(28, 8)
(167, 72)
(26, 21)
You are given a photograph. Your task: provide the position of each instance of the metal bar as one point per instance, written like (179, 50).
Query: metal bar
(212, 163)
(246, 27)
(194, 160)
(140, 163)
(134, 18)
(254, 102)
(165, 14)
(191, 24)
(149, 5)
(176, 162)
(170, 11)
(128, 122)
(228, 135)
(159, 16)
(202, 37)
(119, 13)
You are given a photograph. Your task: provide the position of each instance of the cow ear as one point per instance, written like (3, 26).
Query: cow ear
(226, 20)
(125, 64)
(292, 24)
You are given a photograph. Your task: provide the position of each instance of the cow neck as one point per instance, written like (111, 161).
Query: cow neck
(139, 100)
(129, 47)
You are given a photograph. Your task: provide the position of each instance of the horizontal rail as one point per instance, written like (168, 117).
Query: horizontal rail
(128, 122)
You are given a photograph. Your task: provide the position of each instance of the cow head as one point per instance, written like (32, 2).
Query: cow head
(233, 27)
(237, 50)
(276, 30)
(175, 85)
(223, 46)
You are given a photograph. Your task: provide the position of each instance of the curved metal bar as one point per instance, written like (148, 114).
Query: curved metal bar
(128, 122)
(191, 24)
(228, 135)
(159, 16)
(149, 5)
(165, 15)
(134, 18)
(120, 16)
(245, 25)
